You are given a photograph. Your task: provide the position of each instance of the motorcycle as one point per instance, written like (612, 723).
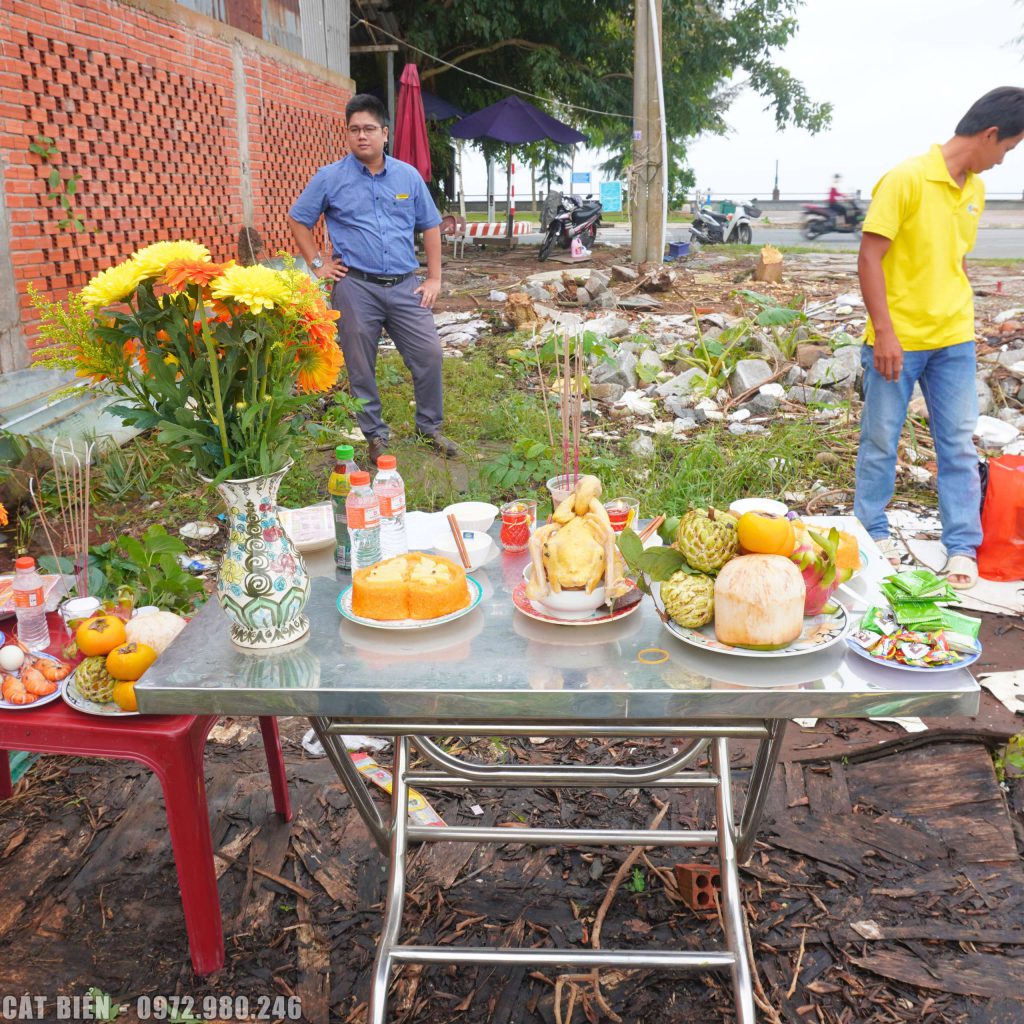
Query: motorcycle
(821, 220)
(709, 227)
(575, 218)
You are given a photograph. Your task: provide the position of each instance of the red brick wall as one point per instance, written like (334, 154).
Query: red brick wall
(145, 109)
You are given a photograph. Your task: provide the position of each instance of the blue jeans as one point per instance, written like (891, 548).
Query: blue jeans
(947, 381)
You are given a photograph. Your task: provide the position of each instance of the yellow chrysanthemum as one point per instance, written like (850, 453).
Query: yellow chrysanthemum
(111, 285)
(257, 287)
(152, 261)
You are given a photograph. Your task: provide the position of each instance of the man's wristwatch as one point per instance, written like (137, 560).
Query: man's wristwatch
(317, 262)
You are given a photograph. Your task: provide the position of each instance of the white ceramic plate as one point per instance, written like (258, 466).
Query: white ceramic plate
(345, 607)
(596, 618)
(39, 701)
(820, 631)
(73, 699)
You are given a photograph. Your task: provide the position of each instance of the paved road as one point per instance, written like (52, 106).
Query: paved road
(993, 243)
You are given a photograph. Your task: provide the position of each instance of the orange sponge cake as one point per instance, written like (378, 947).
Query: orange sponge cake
(411, 586)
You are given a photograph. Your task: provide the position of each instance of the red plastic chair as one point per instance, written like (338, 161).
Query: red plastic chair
(172, 746)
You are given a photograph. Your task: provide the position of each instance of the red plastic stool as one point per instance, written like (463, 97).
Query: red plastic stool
(172, 746)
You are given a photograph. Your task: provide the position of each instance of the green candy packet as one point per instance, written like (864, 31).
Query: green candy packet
(918, 615)
(879, 620)
(921, 585)
(961, 630)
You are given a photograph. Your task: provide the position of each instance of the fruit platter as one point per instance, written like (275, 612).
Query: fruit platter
(753, 585)
(116, 654)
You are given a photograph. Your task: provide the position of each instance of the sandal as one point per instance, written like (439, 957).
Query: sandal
(964, 567)
(891, 550)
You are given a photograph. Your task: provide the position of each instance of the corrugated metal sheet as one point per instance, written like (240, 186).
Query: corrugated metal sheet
(325, 33)
(315, 29)
(281, 24)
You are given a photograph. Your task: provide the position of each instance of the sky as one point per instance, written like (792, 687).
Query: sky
(899, 73)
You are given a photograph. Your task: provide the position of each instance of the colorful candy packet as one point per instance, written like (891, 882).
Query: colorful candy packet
(909, 647)
(879, 620)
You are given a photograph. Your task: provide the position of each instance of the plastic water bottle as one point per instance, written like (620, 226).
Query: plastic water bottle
(30, 605)
(390, 490)
(363, 513)
(338, 487)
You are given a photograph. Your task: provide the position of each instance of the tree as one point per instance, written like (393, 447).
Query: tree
(581, 53)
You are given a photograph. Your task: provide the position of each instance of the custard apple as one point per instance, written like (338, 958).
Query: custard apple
(689, 599)
(93, 681)
(707, 538)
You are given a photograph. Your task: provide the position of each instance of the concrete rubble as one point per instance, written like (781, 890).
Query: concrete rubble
(673, 364)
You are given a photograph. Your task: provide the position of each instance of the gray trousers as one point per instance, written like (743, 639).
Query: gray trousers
(365, 308)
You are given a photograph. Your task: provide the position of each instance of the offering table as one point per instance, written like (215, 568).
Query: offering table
(496, 672)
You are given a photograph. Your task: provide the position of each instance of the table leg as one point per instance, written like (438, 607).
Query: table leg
(732, 900)
(353, 782)
(395, 901)
(765, 759)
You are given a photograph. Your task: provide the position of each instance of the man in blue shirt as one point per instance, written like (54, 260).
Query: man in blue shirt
(373, 206)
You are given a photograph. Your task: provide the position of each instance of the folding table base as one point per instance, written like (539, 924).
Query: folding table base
(733, 841)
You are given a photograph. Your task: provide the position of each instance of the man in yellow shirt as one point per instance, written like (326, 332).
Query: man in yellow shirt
(922, 222)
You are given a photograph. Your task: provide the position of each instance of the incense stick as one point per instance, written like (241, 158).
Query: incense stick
(543, 390)
(651, 527)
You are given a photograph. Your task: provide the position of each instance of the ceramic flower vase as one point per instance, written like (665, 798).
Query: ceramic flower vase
(263, 585)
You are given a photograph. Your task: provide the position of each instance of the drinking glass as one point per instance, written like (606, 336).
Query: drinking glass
(518, 518)
(622, 512)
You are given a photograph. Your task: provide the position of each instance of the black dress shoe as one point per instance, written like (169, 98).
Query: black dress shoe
(441, 444)
(378, 447)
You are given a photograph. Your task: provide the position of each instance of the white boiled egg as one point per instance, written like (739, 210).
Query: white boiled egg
(11, 658)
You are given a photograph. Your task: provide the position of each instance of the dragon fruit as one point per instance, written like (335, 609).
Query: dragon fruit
(815, 557)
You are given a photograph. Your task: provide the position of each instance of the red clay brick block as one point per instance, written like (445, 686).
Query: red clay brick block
(699, 885)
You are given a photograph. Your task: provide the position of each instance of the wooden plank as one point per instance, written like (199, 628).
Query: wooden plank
(827, 792)
(974, 974)
(314, 957)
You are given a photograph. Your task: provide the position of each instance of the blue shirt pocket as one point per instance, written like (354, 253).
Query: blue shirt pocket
(403, 211)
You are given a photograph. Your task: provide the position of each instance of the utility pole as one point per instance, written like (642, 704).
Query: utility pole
(648, 182)
(656, 157)
(641, 136)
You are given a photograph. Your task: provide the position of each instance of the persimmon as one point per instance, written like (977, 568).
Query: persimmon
(100, 635)
(760, 533)
(128, 661)
(124, 696)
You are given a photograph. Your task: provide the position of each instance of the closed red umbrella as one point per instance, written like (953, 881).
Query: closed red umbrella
(411, 143)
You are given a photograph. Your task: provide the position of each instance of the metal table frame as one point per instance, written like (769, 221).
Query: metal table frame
(495, 672)
(733, 841)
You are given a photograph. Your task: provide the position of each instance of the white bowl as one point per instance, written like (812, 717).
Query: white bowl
(768, 505)
(473, 515)
(478, 547)
(569, 604)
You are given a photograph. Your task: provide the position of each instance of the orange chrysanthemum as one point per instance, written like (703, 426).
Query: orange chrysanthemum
(180, 273)
(132, 350)
(3, 516)
(318, 367)
(320, 324)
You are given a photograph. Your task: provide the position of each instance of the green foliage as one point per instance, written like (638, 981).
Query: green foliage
(637, 883)
(59, 190)
(148, 565)
(717, 357)
(708, 47)
(102, 1005)
(527, 466)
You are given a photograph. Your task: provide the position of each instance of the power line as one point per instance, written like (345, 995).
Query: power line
(489, 81)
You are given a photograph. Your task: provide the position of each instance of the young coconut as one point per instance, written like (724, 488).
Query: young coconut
(759, 602)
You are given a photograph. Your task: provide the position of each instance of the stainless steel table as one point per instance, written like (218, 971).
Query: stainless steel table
(496, 672)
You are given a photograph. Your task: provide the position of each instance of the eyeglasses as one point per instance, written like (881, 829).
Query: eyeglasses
(363, 129)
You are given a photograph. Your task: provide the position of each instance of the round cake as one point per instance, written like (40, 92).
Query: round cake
(411, 586)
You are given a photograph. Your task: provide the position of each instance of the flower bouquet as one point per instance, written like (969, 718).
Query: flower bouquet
(219, 359)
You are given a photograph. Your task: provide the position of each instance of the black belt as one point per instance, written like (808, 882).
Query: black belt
(387, 280)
